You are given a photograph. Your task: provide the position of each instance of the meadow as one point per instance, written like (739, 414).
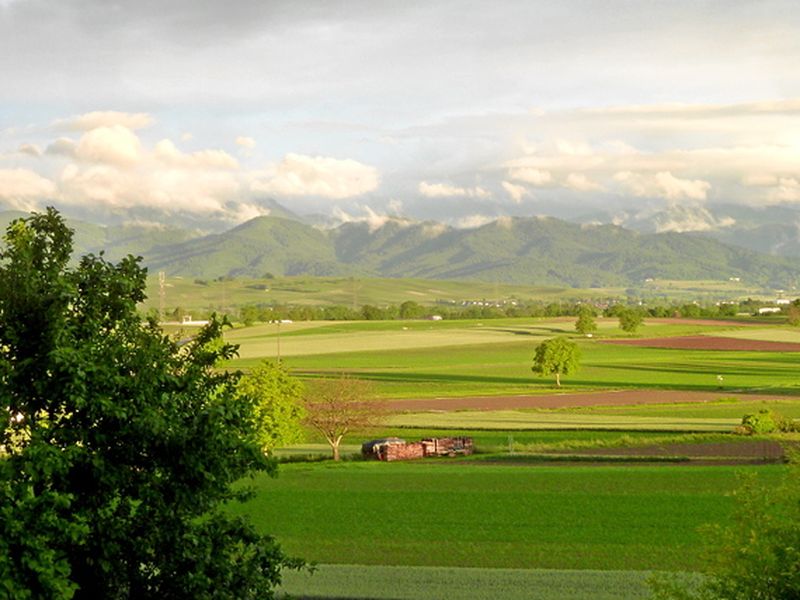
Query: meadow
(228, 294)
(520, 514)
(625, 521)
(421, 359)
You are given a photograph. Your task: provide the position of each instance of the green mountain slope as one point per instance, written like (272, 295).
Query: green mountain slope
(519, 250)
(533, 251)
(264, 244)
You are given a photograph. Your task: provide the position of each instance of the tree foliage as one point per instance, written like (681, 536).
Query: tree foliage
(118, 446)
(586, 320)
(756, 554)
(557, 356)
(630, 319)
(277, 404)
(336, 407)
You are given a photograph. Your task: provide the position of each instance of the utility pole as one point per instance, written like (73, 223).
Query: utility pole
(278, 340)
(161, 293)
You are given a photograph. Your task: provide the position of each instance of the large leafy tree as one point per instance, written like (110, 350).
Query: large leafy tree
(118, 446)
(277, 404)
(557, 356)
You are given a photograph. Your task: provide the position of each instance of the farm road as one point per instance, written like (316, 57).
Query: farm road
(614, 398)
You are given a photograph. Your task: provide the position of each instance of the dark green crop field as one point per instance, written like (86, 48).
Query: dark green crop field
(439, 514)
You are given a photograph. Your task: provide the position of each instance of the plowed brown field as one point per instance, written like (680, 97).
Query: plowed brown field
(619, 398)
(707, 342)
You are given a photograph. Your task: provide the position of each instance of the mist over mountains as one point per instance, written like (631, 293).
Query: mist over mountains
(681, 243)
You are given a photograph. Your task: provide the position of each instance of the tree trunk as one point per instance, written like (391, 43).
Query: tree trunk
(558, 379)
(335, 449)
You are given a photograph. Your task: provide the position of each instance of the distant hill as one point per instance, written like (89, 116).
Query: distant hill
(519, 250)
(768, 229)
(529, 251)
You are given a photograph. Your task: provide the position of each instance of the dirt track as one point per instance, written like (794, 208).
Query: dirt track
(619, 398)
(706, 342)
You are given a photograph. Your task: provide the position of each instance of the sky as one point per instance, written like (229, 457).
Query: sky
(462, 111)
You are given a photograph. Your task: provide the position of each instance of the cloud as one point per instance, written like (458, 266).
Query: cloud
(443, 190)
(663, 185)
(515, 192)
(373, 219)
(532, 176)
(30, 149)
(108, 118)
(115, 144)
(62, 146)
(168, 153)
(22, 189)
(787, 190)
(246, 142)
(581, 183)
(322, 176)
(474, 221)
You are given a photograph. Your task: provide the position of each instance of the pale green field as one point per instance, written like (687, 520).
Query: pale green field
(262, 341)
(770, 334)
(435, 583)
(510, 420)
(326, 291)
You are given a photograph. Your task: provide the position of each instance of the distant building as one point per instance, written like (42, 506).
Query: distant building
(435, 318)
(768, 310)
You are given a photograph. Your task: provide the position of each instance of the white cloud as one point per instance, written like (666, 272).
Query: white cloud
(787, 190)
(515, 192)
(300, 175)
(663, 185)
(246, 142)
(474, 221)
(30, 149)
(115, 144)
(168, 153)
(108, 118)
(444, 190)
(373, 219)
(581, 183)
(23, 189)
(532, 176)
(61, 147)
(759, 180)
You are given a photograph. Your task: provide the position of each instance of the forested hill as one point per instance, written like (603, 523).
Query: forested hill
(519, 250)
(532, 250)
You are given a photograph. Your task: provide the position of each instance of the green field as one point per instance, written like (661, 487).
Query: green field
(438, 514)
(512, 516)
(503, 368)
(205, 295)
(434, 583)
(192, 294)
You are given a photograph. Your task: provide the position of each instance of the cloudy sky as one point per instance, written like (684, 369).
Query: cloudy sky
(456, 110)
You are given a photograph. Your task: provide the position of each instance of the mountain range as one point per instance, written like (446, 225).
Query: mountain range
(525, 250)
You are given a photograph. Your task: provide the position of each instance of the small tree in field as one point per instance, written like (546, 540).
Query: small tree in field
(630, 320)
(336, 407)
(585, 323)
(556, 356)
(276, 399)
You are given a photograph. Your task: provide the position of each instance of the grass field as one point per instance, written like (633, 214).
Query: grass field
(510, 420)
(518, 519)
(438, 514)
(473, 358)
(319, 291)
(435, 583)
